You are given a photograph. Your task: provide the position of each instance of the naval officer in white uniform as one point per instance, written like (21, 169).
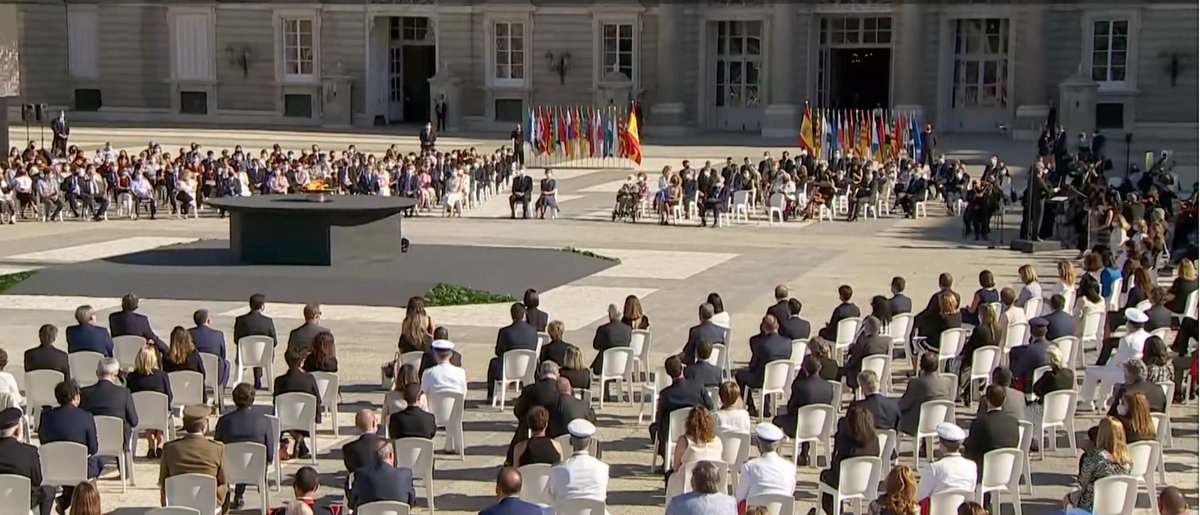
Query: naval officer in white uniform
(580, 476)
(769, 473)
(953, 471)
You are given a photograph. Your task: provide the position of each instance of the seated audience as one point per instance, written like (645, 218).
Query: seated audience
(21, 459)
(843, 311)
(769, 473)
(580, 476)
(413, 421)
(128, 322)
(707, 497)
(46, 356)
(86, 335)
(899, 493)
(702, 371)
(107, 398)
(556, 350)
(323, 357)
(243, 424)
(699, 441)
(508, 490)
(855, 437)
(633, 315)
(610, 335)
(927, 386)
(296, 380)
(539, 447)
(381, 480)
(952, 471)
(868, 343)
(70, 423)
(574, 369)
(210, 341)
(1108, 457)
(195, 454)
(731, 417)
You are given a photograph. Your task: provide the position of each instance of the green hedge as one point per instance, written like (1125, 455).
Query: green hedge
(9, 280)
(444, 294)
(590, 254)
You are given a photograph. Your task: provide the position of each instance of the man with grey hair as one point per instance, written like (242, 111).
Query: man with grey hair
(86, 336)
(885, 409)
(302, 337)
(706, 497)
(107, 398)
(1135, 382)
(381, 480)
(611, 335)
(706, 330)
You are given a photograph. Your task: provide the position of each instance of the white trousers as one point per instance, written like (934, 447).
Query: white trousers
(1103, 377)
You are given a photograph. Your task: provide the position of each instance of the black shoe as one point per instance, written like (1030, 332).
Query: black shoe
(302, 451)
(803, 460)
(236, 503)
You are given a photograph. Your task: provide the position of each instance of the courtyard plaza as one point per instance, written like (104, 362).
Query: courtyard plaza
(671, 268)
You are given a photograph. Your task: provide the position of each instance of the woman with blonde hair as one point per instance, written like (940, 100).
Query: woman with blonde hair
(900, 493)
(85, 500)
(699, 441)
(416, 330)
(1183, 286)
(575, 369)
(1032, 289)
(1068, 280)
(1108, 457)
(148, 377)
(822, 349)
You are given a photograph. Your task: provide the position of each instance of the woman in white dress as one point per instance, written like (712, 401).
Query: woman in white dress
(732, 417)
(699, 441)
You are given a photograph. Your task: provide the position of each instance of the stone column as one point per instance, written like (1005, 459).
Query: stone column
(4, 144)
(910, 40)
(780, 119)
(667, 115)
(1030, 80)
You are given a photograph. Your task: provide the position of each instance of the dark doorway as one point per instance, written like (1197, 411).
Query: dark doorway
(860, 77)
(419, 67)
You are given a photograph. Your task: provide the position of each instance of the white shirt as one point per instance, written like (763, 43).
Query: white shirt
(23, 184)
(721, 319)
(952, 472)
(443, 378)
(579, 477)
(767, 474)
(8, 386)
(736, 420)
(1130, 347)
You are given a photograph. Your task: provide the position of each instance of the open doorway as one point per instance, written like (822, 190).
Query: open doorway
(419, 67)
(859, 77)
(412, 61)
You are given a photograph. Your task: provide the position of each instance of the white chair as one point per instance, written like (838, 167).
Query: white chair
(641, 342)
(247, 463)
(1115, 495)
(814, 424)
(187, 388)
(847, 329)
(39, 390)
(126, 349)
(887, 445)
(932, 413)
(83, 367)
(1001, 474)
(535, 483)
(173, 510)
(384, 508)
(824, 212)
(154, 413)
(329, 386)
(1025, 442)
(15, 493)
(881, 364)
(447, 410)
(775, 383)
(837, 386)
(212, 377)
(110, 439)
(564, 441)
(947, 502)
(616, 365)
(1192, 306)
(1058, 413)
(899, 329)
(1143, 460)
(542, 341)
(776, 504)
(983, 362)
(273, 442)
(64, 463)
(720, 358)
(256, 352)
(417, 454)
(579, 507)
(297, 411)
(1016, 335)
(735, 450)
(1033, 308)
(650, 390)
(676, 425)
(951, 343)
(1070, 349)
(1089, 331)
(1114, 297)
(775, 206)
(920, 207)
(858, 479)
(1160, 436)
(517, 368)
(740, 206)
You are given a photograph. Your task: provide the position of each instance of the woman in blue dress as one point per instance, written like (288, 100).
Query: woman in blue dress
(548, 201)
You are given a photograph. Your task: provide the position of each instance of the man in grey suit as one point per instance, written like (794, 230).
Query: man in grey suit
(1014, 400)
(302, 337)
(928, 386)
(704, 331)
(706, 497)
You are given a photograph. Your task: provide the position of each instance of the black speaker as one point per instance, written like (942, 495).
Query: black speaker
(27, 114)
(43, 113)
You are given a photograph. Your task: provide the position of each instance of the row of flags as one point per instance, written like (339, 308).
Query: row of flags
(584, 132)
(873, 134)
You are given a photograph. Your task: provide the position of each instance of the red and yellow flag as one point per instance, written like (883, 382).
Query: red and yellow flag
(806, 132)
(633, 140)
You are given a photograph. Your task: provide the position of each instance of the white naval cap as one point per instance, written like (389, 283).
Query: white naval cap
(442, 345)
(768, 432)
(581, 428)
(950, 432)
(1136, 315)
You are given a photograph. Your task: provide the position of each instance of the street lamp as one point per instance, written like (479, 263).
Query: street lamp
(1128, 143)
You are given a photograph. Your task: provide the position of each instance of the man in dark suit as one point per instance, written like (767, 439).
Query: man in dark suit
(381, 481)
(793, 327)
(704, 331)
(928, 386)
(430, 359)
(885, 409)
(681, 393)
(1024, 359)
(244, 425)
(69, 423)
(62, 131)
(610, 335)
(843, 311)
(210, 341)
(255, 323)
(360, 452)
(46, 356)
(86, 335)
(517, 335)
(1014, 400)
(716, 197)
(924, 321)
(780, 307)
(567, 408)
(1135, 381)
(107, 398)
(21, 459)
(1059, 323)
(1160, 316)
(702, 371)
(534, 316)
(869, 343)
(302, 337)
(993, 430)
(765, 347)
(428, 137)
(900, 302)
(522, 190)
(412, 421)
(807, 389)
(128, 322)
(508, 490)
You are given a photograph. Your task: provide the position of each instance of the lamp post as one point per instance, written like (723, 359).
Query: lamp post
(1128, 143)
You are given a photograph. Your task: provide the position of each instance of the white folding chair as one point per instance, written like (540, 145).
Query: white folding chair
(947, 502)
(641, 342)
(110, 439)
(273, 441)
(775, 206)
(776, 504)
(983, 362)
(735, 450)
(1001, 474)
(1070, 349)
(172, 510)
(1168, 389)
(126, 349)
(720, 357)
(1025, 442)
(899, 329)
(63, 463)
(887, 446)
(1114, 297)
(256, 352)
(1058, 413)
(881, 364)
(1089, 333)
(447, 410)
(416, 454)
(196, 491)
(616, 364)
(858, 479)
(676, 425)
(564, 441)
(15, 493)
(680, 482)
(932, 413)
(39, 391)
(775, 383)
(83, 367)
(650, 392)
(1143, 460)
(517, 368)
(535, 483)
(384, 508)
(187, 388)
(1160, 436)
(1016, 336)
(847, 328)
(543, 339)
(1115, 495)
(951, 343)
(153, 413)
(837, 386)
(330, 389)
(297, 411)
(248, 466)
(741, 206)
(814, 423)
(212, 377)
(579, 507)
(1033, 308)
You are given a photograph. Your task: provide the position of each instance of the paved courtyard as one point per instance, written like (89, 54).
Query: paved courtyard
(671, 268)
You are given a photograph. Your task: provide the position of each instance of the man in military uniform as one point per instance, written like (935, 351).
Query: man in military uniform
(22, 459)
(195, 454)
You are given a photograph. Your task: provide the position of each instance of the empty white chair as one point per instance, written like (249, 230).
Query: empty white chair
(543, 340)
(814, 423)
(775, 206)
(887, 445)
(535, 483)
(641, 342)
(330, 389)
(212, 377)
(1001, 474)
(173, 510)
(858, 479)
(650, 393)
(932, 413)
(1089, 333)
(416, 454)
(39, 390)
(297, 411)
(616, 365)
(15, 493)
(1033, 308)
(517, 367)
(775, 383)
(256, 352)
(847, 328)
(83, 367)
(187, 388)
(741, 206)
(1025, 442)
(384, 508)
(1016, 336)
(676, 426)
(1058, 413)
(776, 504)
(110, 439)
(447, 410)
(248, 466)
(1114, 297)
(983, 362)
(1168, 389)
(951, 343)
(1070, 349)
(126, 348)
(899, 329)
(1115, 495)
(1143, 460)
(273, 442)
(735, 450)
(580, 507)
(947, 502)
(63, 463)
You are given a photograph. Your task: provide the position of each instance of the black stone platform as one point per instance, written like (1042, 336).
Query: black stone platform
(297, 230)
(207, 270)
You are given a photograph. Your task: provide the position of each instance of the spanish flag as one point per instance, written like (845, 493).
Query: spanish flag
(806, 132)
(633, 139)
